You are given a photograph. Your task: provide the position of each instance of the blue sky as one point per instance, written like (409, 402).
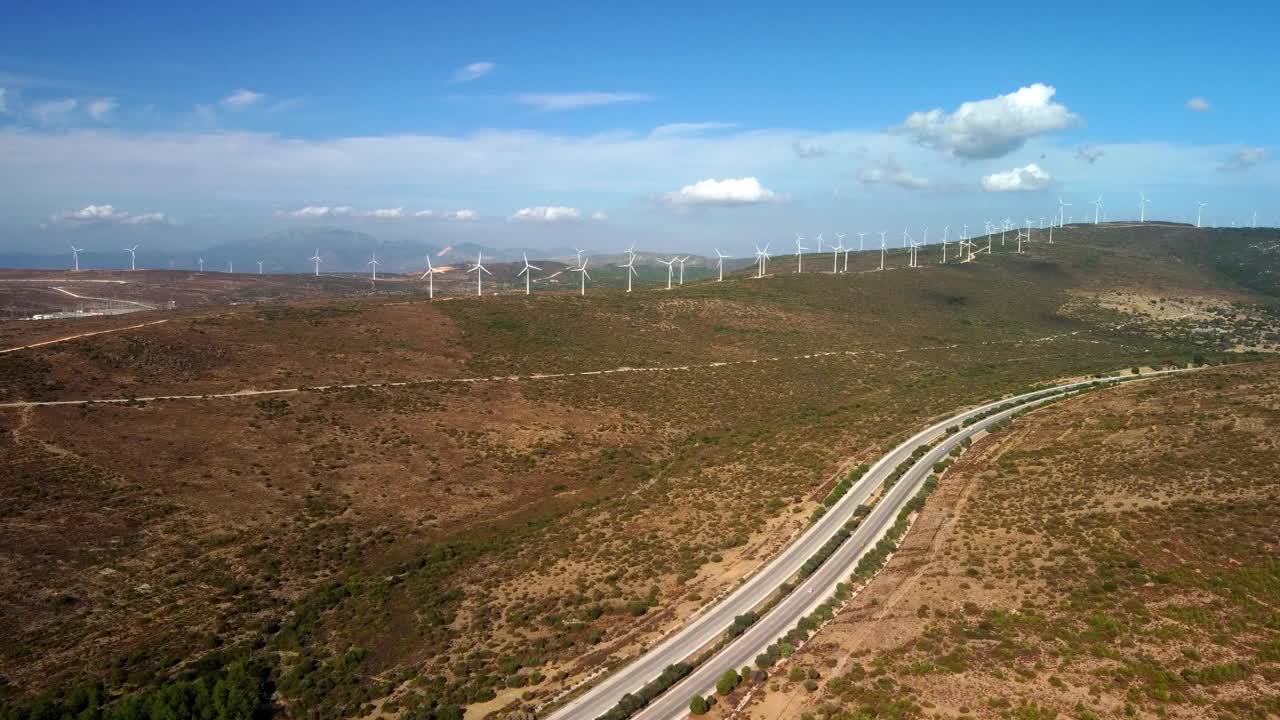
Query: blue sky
(675, 125)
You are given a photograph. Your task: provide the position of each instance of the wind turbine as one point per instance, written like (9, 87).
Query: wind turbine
(1142, 207)
(316, 258)
(527, 275)
(800, 254)
(681, 261)
(1030, 227)
(133, 257)
(762, 260)
(373, 263)
(75, 257)
(430, 276)
(631, 267)
(1199, 209)
(906, 237)
(845, 250)
(1005, 229)
(671, 268)
(480, 270)
(259, 267)
(946, 230)
(1097, 208)
(582, 269)
(819, 243)
(860, 237)
(835, 254)
(201, 261)
(719, 265)
(579, 254)
(230, 267)
(1062, 206)
(882, 248)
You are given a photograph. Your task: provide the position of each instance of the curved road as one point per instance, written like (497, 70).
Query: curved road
(708, 627)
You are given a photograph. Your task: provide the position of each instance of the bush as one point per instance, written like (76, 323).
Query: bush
(728, 681)
(797, 674)
(698, 705)
(637, 607)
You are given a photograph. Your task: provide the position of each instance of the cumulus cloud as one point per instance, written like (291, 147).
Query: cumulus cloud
(730, 191)
(543, 213)
(1088, 153)
(573, 101)
(992, 127)
(99, 109)
(387, 213)
(241, 99)
(107, 214)
(808, 150)
(690, 128)
(890, 172)
(474, 71)
(51, 112)
(461, 215)
(1199, 104)
(1245, 158)
(1022, 179)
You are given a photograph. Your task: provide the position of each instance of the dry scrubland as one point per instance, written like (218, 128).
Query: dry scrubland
(425, 549)
(1110, 556)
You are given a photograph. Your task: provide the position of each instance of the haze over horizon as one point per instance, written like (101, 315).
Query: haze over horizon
(676, 128)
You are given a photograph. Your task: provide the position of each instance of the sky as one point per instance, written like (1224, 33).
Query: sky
(675, 126)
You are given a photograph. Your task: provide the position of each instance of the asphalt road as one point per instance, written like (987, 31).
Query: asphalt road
(708, 626)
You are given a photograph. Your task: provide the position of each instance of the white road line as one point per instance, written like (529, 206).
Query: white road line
(82, 335)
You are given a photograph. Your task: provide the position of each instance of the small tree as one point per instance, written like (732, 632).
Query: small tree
(728, 681)
(698, 705)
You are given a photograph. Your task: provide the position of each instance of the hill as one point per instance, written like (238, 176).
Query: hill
(495, 532)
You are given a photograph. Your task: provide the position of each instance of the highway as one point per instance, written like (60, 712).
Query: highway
(707, 627)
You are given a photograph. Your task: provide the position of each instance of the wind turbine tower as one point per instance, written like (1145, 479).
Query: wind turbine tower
(373, 264)
(75, 257)
(671, 268)
(800, 254)
(883, 233)
(584, 278)
(1142, 207)
(316, 259)
(480, 270)
(527, 275)
(133, 257)
(630, 267)
(430, 277)
(681, 261)
(1062, 207)
(1097, 209)
(719, 264)
(1199, 210)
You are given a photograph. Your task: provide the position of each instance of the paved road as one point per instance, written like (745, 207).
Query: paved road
(711, 624)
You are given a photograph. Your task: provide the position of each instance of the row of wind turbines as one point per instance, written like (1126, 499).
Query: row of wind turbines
(762, 256)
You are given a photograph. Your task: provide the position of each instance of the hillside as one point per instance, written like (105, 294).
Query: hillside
(484, 545)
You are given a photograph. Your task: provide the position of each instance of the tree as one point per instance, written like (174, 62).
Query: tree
(728, 681)
(698, 705)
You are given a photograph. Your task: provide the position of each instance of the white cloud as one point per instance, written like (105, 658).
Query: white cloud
(1245, 158)
(1199, 104)
(808, 150)
(993, 127)
(546, 214)
(730, 191)
(318, 211)
(107, 214)
(99, 109)
(1088, 153)
(475, 70)
(386, 213)
(1023, 179)
(599, 216)
(241, 99)
(459, 215)
(573, 101)
(52, 112)
(690, 128)
(891, 172)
